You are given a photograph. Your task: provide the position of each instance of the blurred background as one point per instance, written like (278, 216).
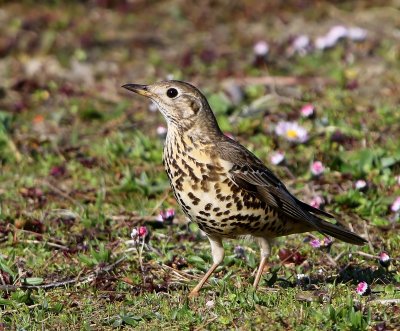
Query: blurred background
(312, 87)
(62, 65)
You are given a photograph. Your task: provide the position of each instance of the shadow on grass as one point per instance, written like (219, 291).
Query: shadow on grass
(349, 274)
(356, 274)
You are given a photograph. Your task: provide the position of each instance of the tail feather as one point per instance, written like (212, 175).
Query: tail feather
(339, 232)
(314, 210)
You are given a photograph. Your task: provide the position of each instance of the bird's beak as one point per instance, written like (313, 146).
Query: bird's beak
(139, 89)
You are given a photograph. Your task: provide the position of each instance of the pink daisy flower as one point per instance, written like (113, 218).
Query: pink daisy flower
(317, 201)
(277, 157)
(307, 110)
(315, 243)
(317, 168)
(142, 232)
(384, 259)
(363, 288)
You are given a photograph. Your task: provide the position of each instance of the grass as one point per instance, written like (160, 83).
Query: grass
(80, 166)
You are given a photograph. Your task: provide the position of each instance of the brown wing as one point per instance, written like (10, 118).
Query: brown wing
(271, 190)
(250, 174)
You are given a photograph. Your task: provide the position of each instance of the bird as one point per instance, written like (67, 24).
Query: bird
(221, 185)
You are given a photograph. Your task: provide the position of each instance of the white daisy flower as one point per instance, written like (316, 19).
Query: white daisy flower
(292, 131)
(261, 48)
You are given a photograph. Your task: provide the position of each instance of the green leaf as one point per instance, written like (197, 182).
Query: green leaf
(378, 221)
(390, 289)
(366, 159)
(5, 121)
(224, 320)
(34, 280)
(194, 259)
(87, 260)
(130, 319)
(6, 268)
(6, 302)
(219, 103)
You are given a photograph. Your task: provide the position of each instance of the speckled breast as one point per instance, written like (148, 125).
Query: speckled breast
(210, 198)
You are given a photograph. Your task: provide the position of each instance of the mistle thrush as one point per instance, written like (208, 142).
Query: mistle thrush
(221, 185)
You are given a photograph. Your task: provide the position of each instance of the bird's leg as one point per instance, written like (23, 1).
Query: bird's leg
(265, 252)
(217, 251)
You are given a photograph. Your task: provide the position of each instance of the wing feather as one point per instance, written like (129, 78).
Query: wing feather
(250, 174)
(274, 193)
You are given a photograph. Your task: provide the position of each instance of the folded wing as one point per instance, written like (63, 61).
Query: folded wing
(249, 173)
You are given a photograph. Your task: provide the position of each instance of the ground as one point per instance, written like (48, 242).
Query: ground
(80, 162)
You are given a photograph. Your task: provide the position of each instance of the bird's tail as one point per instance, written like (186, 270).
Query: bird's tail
(339, 232)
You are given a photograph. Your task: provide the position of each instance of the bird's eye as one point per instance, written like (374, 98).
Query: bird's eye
(172, 92)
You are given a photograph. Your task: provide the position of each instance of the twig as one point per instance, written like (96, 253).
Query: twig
(160, 202)
(269, 289)
(140, 255)
(37, 234)
(48, 243)
(18, 310)
(180, 274)
(134, 218)
(76, 280)
(202, 327)
(339, 256)
(331, 260)
(366, 230)
(63, 194)
(370, 256)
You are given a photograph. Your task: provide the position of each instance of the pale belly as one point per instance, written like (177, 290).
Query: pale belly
(220, 208)
(211, 199)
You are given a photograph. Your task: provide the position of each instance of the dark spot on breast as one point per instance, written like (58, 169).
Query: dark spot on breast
(254, 218)
(205, 183)
(235, 189)
(208, 206)
(195, 200)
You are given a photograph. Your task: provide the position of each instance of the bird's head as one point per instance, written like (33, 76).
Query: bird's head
(183, 106)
